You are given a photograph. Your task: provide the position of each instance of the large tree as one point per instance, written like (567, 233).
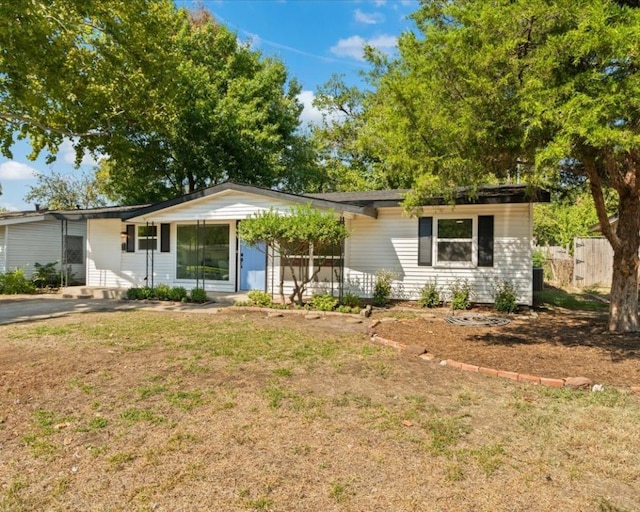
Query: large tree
(93, 71)
(171, 99)
(520, 90)
(235, 117)
(57, 191)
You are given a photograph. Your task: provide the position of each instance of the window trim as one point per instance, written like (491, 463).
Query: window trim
(146, 238)
(474, 241)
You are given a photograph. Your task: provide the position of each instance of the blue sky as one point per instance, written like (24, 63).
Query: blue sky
(314, 38)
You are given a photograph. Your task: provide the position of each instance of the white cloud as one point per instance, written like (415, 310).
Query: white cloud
(68, 154)
(368, 18)
(15, 171)
(353, 46)
(310, 114)
(379, 3)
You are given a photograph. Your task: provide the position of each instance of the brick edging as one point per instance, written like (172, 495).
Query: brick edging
(491, 372)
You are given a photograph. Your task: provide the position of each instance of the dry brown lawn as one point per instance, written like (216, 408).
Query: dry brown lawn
(237, 412)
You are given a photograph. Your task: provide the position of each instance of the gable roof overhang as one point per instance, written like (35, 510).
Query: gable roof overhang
(340, 207)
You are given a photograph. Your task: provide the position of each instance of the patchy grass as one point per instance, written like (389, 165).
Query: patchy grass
(576, 301)
(131, 411)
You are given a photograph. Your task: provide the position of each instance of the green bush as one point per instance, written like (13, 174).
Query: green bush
(198, 295)
(430, 295)
(46, 275)
(460, 293)
(15, 282)
(162, 291)
(147, 293)
(178, 294)
(324, 302)
(382, 288)
(259, 298)
(351, 300)
(505, 296)
(133, 294)
(539, 258)
(348, 309)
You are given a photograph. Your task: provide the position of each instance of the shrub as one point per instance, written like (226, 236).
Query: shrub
(382, 288)
(348, 309)
(46, 275)
(15, 282)
(324, 302)
(259, 298)
(539, 258)
(147, 293)
(505, 296)
(351, 300)
(429, 295)
(460, 292)
(162, 291)
(199, 295)
(133, 294)
(178, 294)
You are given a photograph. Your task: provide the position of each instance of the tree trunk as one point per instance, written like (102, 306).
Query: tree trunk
(623, 309)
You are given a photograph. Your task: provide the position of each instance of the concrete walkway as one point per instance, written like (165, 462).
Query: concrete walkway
(25, 308)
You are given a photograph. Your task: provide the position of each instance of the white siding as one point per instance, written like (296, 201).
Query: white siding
(223, 206)
(3, 249)
(109, 266)
(391, 243)
(40, 242)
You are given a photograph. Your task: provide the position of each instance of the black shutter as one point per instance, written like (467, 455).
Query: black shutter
(485, 241)
(131, 238)
(425, 241)
(165, 242)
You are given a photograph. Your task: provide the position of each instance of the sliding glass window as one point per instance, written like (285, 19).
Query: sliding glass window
(203, 252)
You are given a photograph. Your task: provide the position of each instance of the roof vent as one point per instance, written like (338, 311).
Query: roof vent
(37, 207)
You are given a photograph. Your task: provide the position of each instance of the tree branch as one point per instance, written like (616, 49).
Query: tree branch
(16, 119)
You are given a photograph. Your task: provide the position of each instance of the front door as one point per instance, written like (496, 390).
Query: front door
(253, 267)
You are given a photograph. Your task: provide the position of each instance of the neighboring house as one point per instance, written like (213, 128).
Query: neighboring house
(47, 236)
(191, 241)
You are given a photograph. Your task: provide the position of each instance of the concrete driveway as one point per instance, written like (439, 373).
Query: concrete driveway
(29, 307)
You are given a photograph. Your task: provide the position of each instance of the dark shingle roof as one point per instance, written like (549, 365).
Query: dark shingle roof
(105, 212)
(492, 194)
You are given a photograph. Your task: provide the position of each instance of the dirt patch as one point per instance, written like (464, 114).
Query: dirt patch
(237, 411)
(554, 344)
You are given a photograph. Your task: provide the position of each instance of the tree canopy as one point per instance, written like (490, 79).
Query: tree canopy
(171, 99)
(58, 191)
(521, 90)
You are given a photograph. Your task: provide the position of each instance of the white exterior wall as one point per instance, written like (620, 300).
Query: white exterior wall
(3, 249)
(390, 242)
(27, 243)
(110, 266)
(225, 206)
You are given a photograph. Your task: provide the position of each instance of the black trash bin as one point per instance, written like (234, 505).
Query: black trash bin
(538, 279)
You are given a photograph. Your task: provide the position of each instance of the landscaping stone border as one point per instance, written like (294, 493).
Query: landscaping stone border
(569, 382)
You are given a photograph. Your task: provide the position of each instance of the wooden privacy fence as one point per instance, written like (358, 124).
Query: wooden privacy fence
(558, 264)
(593, 262)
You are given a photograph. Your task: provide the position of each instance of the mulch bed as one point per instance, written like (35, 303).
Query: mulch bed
(553, 344)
